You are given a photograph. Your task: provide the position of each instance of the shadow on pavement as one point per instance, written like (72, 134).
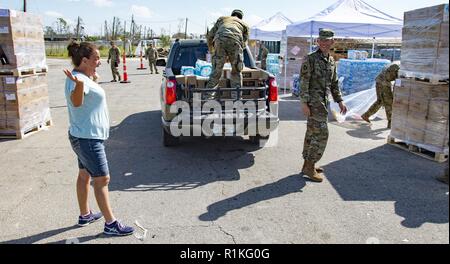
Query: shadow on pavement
(283, 187)
(41, 236)
(139, 162)
(290, 110)
(408, 181)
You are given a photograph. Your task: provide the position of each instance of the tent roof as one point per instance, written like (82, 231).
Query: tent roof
(270, 29)
(351, 11)
(350, 18)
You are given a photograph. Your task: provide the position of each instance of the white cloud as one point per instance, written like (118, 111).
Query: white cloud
(141, 11)
(53, 14)
(102, 3)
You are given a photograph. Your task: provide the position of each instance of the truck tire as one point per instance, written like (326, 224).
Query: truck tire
(169, 140)
(256, 140)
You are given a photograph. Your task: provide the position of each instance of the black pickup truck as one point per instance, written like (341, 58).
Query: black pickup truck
(257, 122)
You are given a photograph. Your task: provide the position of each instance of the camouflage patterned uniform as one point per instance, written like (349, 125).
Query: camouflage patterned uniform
(114, 61)
(264, 53)
(228, 37)
(151, 54)
(385, 96)
(318, 76)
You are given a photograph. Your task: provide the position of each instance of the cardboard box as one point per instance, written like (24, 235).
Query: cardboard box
(417, 120)
(251, 94)
(436, 140)
(419, 105)
(253, 74)
(438, 110)
(191, 81)
(21, 41)
(429, 91)
(11, 83)
(439, 128)
(202, 82)
(437, 14)
(181, 79)
(413, 135)
(398, 127)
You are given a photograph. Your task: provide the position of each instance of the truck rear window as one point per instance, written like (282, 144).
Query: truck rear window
(188, 56)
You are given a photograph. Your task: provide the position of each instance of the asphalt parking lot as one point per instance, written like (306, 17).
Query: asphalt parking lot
(219, 190)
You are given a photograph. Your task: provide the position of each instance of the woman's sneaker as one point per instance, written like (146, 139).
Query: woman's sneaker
(118, 229)
(87, 220)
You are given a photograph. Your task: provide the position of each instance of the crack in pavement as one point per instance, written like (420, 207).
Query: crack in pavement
(226, 233)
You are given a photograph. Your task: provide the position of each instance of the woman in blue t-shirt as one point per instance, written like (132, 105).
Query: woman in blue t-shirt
(89, 128)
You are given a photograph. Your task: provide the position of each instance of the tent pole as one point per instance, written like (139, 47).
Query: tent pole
(311, 31)
(373, 47)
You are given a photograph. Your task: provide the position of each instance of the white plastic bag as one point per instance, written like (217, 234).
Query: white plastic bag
(357, 104)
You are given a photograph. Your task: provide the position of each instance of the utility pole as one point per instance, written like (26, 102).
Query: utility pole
(132, 30)
(24, 5)
(185, 31)
(106, 30)
(78, 28)
(113, 29)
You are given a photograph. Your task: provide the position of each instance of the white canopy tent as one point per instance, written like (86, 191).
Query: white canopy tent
(349, 19)
(270, 29)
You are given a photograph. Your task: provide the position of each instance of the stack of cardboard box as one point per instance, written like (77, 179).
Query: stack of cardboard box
(425, 43)
(420, 110)
(251, 78)
(24, 102)
(293, 52)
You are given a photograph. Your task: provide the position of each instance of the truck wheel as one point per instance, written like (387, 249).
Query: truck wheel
(169, 140)
(256, 140)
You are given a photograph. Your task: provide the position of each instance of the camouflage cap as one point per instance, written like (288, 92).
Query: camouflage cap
(237, 13)
(394, 67)
(326, 34)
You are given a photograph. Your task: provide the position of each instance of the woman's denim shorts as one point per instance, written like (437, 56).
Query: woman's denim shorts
(91, 155)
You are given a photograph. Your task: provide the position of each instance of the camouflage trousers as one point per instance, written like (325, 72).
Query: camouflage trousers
(152, 65)
(264, 65)
(316, 138)
(385, 98)
(227, 48)
(115, 71)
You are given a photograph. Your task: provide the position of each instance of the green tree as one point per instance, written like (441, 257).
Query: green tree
(165, 41)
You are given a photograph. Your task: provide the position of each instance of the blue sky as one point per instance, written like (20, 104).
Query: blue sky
(167, 14)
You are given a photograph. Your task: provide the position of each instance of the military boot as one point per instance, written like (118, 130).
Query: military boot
(366, 118)
(318, 169)
(310, 171)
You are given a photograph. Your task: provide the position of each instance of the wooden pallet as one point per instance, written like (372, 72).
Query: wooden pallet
(428, 79)
(22, 72)
(434, 156)
(22, 134)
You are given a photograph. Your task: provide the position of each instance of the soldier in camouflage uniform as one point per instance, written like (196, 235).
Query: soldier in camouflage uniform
(318, 76)
(228, 39)
(385, 96)
(264, 53)
(151, 54)
(114, 58)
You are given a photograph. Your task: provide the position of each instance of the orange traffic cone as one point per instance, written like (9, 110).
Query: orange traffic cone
(125, 75)
(142, 63)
